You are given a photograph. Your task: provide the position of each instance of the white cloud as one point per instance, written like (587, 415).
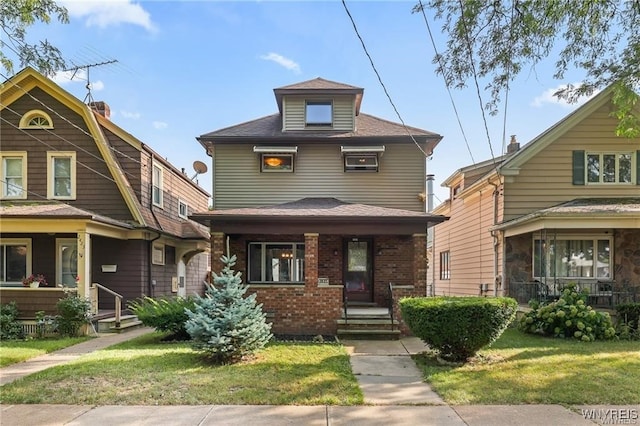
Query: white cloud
(129, 114)
(103, 13)
(160, 125)
(548, 97)
(281, 60)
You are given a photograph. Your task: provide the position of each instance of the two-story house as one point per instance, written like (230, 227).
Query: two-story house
(563, 208)
(83, 202)
(322, 205)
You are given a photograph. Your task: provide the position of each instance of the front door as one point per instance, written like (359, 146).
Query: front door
(358, 275)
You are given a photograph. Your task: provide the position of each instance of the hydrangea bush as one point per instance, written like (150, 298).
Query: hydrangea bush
(568, 317)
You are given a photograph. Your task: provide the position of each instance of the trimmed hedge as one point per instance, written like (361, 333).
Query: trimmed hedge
(457, 327)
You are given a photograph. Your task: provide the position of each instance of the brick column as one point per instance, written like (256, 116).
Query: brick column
(420, 264)
(218, 249)
(311, 260)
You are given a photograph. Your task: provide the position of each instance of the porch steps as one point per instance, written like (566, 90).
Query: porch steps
(127, 322)
(371, 323)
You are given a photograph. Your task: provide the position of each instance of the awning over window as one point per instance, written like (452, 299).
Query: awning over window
(346, 149)
(275, 149)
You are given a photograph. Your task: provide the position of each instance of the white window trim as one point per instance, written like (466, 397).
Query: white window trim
(19, 242)
(160, 247)
(617, 154)
(159, 203)
(30, 115)
(186, 209)
(320, 125)
(14, 154)
(268, 170)
(51, 155)
(294, 246)
(575, 237)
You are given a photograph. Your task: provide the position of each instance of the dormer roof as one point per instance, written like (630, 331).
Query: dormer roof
(319, 86)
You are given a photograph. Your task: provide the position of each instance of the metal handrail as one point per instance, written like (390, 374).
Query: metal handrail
(118, 298)
(344, 302)
(391, 304)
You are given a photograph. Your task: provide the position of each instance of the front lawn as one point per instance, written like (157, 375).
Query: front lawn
(527, 369)
(13, 351)
(147, 371)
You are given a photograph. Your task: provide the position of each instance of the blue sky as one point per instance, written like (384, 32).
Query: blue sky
(188, 68)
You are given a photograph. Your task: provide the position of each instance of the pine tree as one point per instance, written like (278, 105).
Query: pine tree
(224, 324)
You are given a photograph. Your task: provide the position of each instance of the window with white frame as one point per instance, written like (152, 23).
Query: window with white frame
(603, 168)
(157, 254)
(318, 113)
(36, 119)
(66, 261)
(276, 263)
(61, 175)
(13, 169)
(15, 261)
(573, 257)
(361, 158)
(157, 185)
(445, 265)
(183, 210)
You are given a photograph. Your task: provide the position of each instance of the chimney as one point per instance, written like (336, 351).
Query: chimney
(513, 145)
(101, 108)
(430, 193)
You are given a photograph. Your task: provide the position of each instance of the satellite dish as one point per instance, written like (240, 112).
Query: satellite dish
(199, 168)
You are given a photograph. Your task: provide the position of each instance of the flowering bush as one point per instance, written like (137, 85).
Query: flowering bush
(39, 278)
(569, 317)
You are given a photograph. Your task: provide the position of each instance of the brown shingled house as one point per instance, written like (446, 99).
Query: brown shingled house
(83, 198)
(325, 208)
(565, 208)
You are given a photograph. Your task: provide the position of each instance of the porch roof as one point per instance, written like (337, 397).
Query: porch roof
(49, 210)
(322, 215)
(581, 213)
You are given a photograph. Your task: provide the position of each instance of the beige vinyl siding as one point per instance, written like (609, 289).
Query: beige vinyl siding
(546, 179)
(294, 112)
(319, 172)
(470, 244)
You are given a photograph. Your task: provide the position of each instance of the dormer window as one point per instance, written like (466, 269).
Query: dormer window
(319, 113)
(36, 119)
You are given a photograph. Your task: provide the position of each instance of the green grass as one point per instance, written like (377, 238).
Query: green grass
(14, 351)
(526, 369)
(147, 371)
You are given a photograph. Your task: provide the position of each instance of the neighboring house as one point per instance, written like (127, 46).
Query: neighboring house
(322, 204)
(83, 198)
(564, 208)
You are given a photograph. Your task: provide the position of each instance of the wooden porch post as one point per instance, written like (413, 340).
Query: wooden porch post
(84, 263)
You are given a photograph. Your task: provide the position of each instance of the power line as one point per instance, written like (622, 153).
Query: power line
(380, 80)
(455, 110)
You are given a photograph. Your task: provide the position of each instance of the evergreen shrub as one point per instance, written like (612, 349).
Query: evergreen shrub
(457, 327)
(166, 314)
(73, 312)
(225, 325)
(568, 317)
(10, 327)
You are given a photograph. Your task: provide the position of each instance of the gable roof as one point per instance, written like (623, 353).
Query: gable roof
(512, 165)
(319, 86)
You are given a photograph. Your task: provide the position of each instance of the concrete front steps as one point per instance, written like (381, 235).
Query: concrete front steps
(370, 323)
(127, 322)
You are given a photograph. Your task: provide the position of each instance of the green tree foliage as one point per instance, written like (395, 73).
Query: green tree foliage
(568, 317)
(164, 314)
(15, 17)
(10, 327)
(496, 40)
(458, 327)
(224, 324)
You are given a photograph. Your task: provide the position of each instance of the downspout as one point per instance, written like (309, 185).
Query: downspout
(150, 283)
(497, 280)
(430, 290)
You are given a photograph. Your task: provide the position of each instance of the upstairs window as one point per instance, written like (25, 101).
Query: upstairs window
(36, 119)
(361, 158)
(61, 176)
(276, 158)
(156, 185)
(13, 169)
(182, 209)
(318, 113)
(606, 168)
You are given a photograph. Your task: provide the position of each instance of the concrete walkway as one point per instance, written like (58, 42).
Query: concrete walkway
(389, 379)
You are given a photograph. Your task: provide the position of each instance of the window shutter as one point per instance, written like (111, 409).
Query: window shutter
(578, 167)
(638, 167)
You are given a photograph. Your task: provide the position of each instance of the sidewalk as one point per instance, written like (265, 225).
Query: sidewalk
(391, 383)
